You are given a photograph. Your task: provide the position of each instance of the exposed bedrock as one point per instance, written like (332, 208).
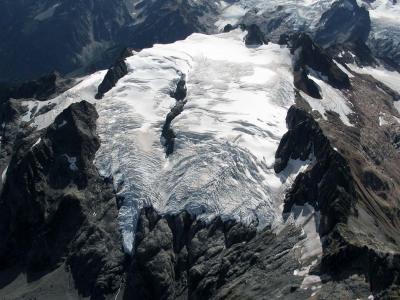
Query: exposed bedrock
(168, 134)
(56, 210)
(118, 70)
(328, 184)
(254, 35)
(41, 89)
(333, 186)
(308, 58)
(344, 23)
(167, 21)
(179, 257)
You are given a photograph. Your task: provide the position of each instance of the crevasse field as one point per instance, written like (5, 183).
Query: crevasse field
(226, 137)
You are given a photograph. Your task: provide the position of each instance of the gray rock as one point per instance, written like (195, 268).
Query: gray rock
(56, 210)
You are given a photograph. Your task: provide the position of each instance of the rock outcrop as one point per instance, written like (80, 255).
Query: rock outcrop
(333, 185)
(310, 58)
(41, 89)
(57, 211)
(179, 257)
(42, 36)
(344, 23)
(118, 70)
(167, 133)
(254, 36)
(327, 185)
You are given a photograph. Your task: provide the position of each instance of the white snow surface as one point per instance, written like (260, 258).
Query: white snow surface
(227, 135)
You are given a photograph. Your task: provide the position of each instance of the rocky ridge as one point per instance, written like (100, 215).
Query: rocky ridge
(57, 212)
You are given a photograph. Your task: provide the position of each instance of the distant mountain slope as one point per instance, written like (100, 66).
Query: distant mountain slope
(39, 37)
(77, 37)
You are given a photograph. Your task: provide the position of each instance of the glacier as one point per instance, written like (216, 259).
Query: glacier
(226, 136)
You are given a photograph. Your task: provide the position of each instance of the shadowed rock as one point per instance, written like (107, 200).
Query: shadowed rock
(179, 257)
(308, 57)
(115, 73)
(254, 36)
(167, 134)
(56, 209)
(41, 89)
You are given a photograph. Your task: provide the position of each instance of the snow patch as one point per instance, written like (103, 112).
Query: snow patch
(85, 89)
(332, 100)
(4, 175)
(36, 143)
(389, 78)
(310, 248)
(382, 119)
(344, 70)
(63, 123)
(299, 14)
(311, 281)
(231, 14)
(72, 162)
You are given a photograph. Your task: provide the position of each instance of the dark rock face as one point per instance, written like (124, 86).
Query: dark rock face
(167, 21)
(328, 179)
(345, 22)
(352, 52)
(167, 134)
(372, 180)
(115, 73)
(56, 209)
(40, 89)
(305, 84)
(178, 257)
(228, 28)
(75, 37)
(331, 185)
(273, 22)
(307, 55)
(39, 37)
(254, 36)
